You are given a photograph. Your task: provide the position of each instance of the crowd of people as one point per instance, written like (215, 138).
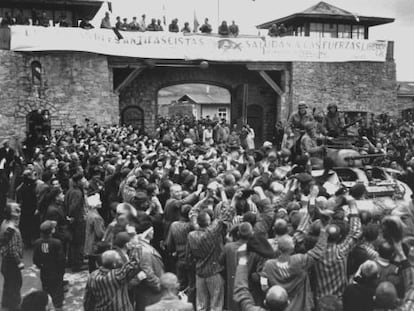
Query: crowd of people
(142, 25)
(196, 216)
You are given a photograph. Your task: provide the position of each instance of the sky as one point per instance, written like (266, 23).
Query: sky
(248, 13)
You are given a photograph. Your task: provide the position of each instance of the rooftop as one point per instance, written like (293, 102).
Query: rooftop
(405, 88)
(11, 3)
(323, 11)
(204, 99)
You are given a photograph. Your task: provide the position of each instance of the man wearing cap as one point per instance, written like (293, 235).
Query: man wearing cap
(297, 120)
(310, 147)
(48, 256)
(332, 121)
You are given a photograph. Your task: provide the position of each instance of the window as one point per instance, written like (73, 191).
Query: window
(358, 32)
(316, 30)
(222, 113)
(344, 31)
(36, 73)
(300, 31)
(330, 31)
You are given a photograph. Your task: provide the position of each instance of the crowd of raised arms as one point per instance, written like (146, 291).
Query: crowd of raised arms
(142, 25)
(196, 216)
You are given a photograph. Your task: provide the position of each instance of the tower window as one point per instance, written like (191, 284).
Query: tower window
(36, 73)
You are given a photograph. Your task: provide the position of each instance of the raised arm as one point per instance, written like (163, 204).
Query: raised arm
(355, 228)
(241, 293)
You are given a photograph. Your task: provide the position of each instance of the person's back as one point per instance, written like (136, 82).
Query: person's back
(331, 269)
(171, 304)
(170, 301)
(48, 256)
(206, 257)
(107, 287)
(358, 297)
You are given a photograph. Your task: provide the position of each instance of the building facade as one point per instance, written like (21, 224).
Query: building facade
(109, 89)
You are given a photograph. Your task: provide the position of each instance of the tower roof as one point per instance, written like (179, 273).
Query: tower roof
(325, 12)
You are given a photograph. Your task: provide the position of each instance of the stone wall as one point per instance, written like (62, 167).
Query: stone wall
(142, 92)
(73, 86)
(353, 86)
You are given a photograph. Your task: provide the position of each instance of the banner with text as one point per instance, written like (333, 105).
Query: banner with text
(165, 45)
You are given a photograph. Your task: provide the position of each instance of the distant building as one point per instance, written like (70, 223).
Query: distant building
(201, 106)
(72, 10)
(93, 75)
(327, 21)
(405, 98)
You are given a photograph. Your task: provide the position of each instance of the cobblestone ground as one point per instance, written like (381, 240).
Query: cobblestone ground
(31, 281)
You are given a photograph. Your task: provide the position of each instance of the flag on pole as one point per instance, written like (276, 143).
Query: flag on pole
(196, 23)
(164, 18)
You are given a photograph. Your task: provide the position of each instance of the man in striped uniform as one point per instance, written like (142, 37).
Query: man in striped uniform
(11, 251)
(107, 287)
(205, 246)
(176, 244)
(331, 269)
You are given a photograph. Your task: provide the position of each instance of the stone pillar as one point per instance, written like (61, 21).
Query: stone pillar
(285, 108)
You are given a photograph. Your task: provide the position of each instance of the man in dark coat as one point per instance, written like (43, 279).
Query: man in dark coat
(229, 260)
(359, 296)
(11, 251)
(75, 209)
(6, 162)
(26, 197)
(7, 154)
(48, 256)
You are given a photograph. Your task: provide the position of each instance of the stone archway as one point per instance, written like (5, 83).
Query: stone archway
(25, 107)
(134, 116)
(142, 91)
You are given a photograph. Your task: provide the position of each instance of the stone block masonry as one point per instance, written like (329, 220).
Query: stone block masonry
(353, 86)
(73, 86)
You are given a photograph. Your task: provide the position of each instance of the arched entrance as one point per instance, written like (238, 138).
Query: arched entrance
(196, 101)
(38, 126)
(134, 116)
(246, 87)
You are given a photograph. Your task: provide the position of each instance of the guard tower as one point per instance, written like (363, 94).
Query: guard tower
(327, 21)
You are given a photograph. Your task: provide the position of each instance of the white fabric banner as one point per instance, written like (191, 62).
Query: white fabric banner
(165, 45)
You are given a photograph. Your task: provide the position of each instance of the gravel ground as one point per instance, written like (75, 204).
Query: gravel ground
(31, 281)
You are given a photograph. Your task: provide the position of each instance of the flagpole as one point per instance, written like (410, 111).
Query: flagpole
(218, 13)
